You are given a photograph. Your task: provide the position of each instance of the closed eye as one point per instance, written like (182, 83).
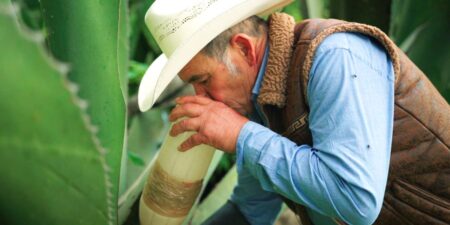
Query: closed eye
(197, 78)
(204, 81)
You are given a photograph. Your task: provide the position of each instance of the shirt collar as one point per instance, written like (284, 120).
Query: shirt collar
(257, 116)
(262, 70)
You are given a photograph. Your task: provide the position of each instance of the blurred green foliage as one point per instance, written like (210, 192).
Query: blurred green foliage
(422, 29)
(48, 141)
(52, 165)
(98, 63)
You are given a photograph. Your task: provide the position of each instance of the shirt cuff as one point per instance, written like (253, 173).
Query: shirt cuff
(249, 148)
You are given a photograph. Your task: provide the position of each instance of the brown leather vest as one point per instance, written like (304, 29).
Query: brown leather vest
(418, 187)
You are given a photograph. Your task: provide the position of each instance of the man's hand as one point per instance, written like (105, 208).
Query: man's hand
(216, 124)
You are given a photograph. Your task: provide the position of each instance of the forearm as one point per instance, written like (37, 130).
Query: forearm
(300, 174)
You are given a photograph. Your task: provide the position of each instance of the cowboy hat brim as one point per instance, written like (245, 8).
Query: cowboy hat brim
(162, 71)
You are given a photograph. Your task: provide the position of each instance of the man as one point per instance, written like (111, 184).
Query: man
(309, 110)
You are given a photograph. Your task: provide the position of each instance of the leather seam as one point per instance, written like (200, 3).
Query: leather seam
(418, 210)
(391, 209)
(420, 121)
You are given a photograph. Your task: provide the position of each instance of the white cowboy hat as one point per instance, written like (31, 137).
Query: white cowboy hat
(182, 28)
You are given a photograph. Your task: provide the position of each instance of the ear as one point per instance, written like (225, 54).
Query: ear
(245, 47)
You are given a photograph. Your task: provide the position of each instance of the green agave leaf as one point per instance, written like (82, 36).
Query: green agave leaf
(52, 166)
(136, 72)
(293, 9)
(91, 36)
(145, 136)
(136, 159)
(408, 42)
(220, 196)
(314, 8)
(216, 198)
(30, 13)
(375, 13)
(214, 162)
(407, 15)
(424, 27)
(137, 11)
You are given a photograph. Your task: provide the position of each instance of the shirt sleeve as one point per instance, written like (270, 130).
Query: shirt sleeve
(343, 174)
(258, 206)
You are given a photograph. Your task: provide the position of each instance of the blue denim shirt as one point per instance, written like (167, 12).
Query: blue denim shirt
(343, 174)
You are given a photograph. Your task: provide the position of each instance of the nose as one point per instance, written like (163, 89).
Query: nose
(201, 90)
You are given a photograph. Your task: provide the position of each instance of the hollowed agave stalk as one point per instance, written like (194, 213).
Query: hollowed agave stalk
(174, 182)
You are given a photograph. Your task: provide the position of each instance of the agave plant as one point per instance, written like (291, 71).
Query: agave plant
(55, 164)
(73, 147)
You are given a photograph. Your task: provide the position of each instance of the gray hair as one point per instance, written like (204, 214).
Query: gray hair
(217, 48)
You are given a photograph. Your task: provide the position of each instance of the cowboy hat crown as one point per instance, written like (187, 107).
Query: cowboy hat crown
(183, 28)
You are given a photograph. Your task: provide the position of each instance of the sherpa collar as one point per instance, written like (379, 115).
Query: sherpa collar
(281, 40)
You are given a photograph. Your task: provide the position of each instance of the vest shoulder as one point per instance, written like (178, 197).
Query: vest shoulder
(357, 43)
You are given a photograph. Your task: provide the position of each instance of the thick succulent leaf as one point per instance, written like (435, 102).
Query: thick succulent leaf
(137, 11)
(122, 44)
(375, 13)
(145, 136)
(212, 166)
(428, 21)
(220, 195)
(216, 198)
(52, 166)
(91, 36)
(293, 9)
(314, 8)
(30, 13)
(409, 41)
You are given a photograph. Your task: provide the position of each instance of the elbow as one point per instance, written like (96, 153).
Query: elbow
(365, 216)
(366, 208)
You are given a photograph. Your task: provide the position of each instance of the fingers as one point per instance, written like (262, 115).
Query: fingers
(189, 110)
(198, 99)
(185, 125)
(192, 141)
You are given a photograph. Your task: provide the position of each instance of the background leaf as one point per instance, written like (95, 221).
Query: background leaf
(293, 9)
(92, 37)
(145, 137)
(53, 169)
(375, 13)
(137, 10)
(314, 8)
(216, 198)
(430, 49)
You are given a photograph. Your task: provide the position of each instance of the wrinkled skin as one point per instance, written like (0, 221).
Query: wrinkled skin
(217, 112)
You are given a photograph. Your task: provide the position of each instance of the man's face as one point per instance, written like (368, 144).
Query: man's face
(211, 78)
